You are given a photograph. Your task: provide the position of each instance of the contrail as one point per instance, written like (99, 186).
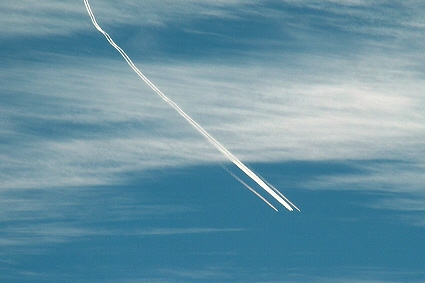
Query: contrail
(278, 196)
(249, 188)
(279, 193)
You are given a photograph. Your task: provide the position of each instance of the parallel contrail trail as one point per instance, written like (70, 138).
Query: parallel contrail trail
(248, 187)
(273, 192)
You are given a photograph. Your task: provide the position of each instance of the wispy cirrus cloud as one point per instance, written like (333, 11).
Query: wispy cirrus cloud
(29, 19)
(73, 121)
(34, 218)
(87, 114)
(34, 236)
(384, 18)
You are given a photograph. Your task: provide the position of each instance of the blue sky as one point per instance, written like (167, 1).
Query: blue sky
(101, 181)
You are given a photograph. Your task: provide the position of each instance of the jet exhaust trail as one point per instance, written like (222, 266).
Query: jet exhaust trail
(270, 189)
(249, 188)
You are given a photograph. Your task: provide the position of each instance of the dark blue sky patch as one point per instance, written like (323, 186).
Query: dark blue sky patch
(40, 49)
(294, 173)
(333, 231)
(49, 129)
(225, 39)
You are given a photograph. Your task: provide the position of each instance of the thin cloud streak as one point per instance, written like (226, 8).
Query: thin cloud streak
(178, 231)
(33, 235)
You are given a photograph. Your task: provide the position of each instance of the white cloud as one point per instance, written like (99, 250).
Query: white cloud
(357, 110)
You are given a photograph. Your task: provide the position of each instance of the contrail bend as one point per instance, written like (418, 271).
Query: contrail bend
(270, 189)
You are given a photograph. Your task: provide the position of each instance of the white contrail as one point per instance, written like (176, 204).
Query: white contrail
(215, 143)
(277, 191)
(249, 188)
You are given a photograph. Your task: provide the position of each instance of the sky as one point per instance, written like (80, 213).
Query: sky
(102, 181)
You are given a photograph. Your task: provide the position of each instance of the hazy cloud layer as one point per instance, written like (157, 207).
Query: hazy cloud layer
(60, 118)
